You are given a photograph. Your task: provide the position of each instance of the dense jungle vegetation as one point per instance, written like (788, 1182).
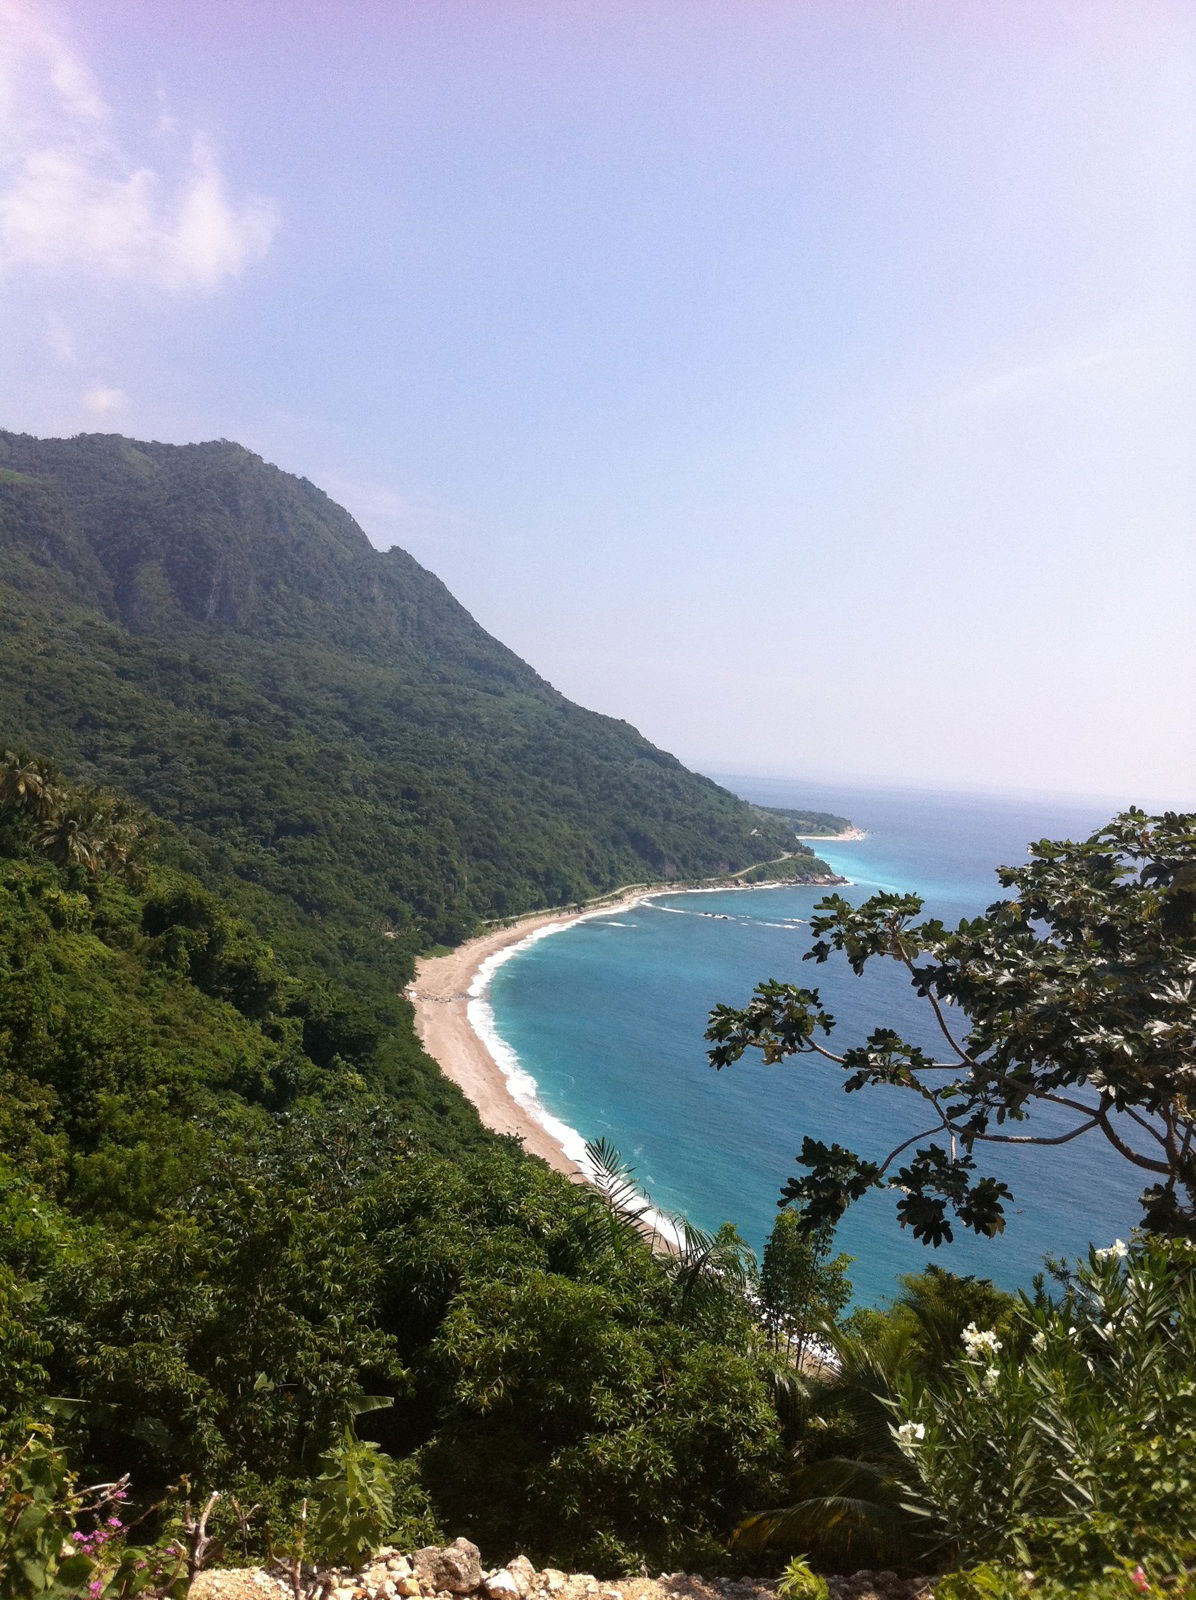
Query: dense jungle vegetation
(220, 1247)
(250, 1239)
(219, 1235)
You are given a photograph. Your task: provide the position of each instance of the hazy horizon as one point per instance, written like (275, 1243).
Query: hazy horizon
(812, 387)
(819, 779)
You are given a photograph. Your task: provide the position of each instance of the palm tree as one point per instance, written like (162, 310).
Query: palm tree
(125, 842)
(627, 1209)
(74, 836)
(703, 1268)
(844, 1502)
(86, 828)
(706, 1267)
(845, 1498)
(28, 784)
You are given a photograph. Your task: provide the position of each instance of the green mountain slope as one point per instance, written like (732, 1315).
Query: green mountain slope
(216, 1237)
(324, 721)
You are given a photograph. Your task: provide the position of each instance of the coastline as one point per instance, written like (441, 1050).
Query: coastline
(446, 987)
(441, 994)
(848, 836)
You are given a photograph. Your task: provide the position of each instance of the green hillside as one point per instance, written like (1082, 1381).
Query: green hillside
(235, 1195)
(216, 1237)
(217, 637)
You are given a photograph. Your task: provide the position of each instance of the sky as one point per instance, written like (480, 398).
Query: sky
(811, 383)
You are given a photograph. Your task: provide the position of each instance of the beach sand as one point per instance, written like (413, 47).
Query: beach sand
(440, 996)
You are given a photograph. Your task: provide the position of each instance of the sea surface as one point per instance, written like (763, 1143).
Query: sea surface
(600, 1030)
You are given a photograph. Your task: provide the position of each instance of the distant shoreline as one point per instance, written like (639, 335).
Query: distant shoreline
(443, 986)
(848, 836)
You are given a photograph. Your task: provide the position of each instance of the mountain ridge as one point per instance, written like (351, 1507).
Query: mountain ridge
(218, 637)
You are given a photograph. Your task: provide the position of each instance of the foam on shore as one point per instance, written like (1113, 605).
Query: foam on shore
(521, 1086)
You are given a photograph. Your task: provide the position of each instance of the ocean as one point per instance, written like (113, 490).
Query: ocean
(600, 1028)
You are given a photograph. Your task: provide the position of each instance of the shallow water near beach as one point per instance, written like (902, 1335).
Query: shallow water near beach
(603, 1024)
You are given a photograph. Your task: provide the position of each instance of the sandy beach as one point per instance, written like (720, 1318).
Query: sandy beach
(440, 995)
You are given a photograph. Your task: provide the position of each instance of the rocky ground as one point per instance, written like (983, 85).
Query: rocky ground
(455, 1572)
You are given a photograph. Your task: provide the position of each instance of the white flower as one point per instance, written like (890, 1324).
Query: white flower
(911, 1433)
(980, 1341)
(989, 1380)
(1117, 1251)
(1039, 1340)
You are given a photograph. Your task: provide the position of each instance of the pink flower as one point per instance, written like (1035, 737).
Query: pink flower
(96, 1586)
(1139, 1580)
(115, 1522)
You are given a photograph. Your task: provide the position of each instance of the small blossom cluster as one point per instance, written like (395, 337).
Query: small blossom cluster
(89, 1544)
(911, 1433)
(980, 1341)
(1117, 1251)
(105, 1530)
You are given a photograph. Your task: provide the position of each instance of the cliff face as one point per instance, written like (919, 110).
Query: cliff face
(217, 636)
(165, 536)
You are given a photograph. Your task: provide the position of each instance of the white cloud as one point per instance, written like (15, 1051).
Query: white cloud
(101, 400)
(71, 200)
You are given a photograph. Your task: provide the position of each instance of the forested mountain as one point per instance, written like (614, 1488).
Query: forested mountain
(235, 1196)
(217, 1236)
(218, 638)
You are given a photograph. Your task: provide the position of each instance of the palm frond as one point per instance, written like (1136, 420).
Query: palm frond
(614, 1180)
(842, 1511)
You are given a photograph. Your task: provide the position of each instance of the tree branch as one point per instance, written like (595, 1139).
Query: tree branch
(907, 963)
(1124, 1149)
(1034, 1138)
(1154, 1133)
(913, 1139)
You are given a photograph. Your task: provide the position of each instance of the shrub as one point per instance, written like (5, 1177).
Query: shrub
(799, 1583)
(1069, 1447)
(353, 1502)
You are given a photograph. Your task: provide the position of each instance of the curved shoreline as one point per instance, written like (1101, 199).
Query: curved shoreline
(441, 994)
(445, 987)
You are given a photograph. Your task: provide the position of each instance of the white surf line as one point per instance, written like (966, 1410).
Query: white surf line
(852, 836)
(522, 1086)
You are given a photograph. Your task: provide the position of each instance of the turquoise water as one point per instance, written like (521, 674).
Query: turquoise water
(607, 1018)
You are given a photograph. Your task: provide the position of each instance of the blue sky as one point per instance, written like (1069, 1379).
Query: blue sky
(811, 384)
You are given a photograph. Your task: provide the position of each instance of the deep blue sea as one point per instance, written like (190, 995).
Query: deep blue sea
(603, 1022)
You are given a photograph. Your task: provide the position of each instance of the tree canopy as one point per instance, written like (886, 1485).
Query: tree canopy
(1077, 992)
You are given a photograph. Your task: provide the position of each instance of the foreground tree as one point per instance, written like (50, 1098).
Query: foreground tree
(1079, 993)
(802, 1286)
